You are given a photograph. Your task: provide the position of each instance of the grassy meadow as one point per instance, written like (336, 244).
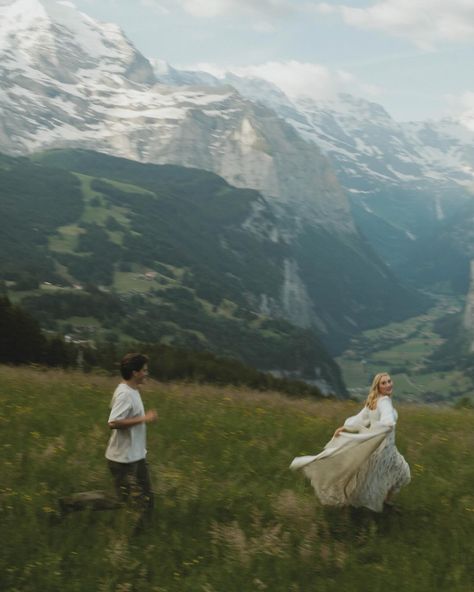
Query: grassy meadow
(230, 516)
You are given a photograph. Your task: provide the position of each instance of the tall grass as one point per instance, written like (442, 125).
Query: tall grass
(230, 516)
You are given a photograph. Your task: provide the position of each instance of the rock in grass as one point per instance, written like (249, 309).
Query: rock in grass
(88, 500)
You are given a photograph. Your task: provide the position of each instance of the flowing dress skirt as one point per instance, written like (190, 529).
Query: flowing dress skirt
(357, 469)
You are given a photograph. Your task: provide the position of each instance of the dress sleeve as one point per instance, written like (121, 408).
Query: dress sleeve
(357, 422)
(387, 412)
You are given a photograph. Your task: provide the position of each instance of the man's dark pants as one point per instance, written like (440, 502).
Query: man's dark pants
(129, 475)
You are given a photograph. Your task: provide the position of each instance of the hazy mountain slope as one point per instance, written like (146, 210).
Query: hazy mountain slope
(335, 284)
(444, 255)
(403, 179)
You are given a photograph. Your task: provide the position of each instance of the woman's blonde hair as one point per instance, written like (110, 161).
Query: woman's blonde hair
(374, 392)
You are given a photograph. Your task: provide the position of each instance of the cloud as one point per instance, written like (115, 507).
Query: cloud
(156, 6)
(301, 79)
(260, 15)
(424, 22)
(216, 8)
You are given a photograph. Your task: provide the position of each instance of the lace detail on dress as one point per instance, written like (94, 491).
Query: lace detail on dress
(385, 471)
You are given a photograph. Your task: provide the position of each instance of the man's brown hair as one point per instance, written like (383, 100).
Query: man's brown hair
(132, 362)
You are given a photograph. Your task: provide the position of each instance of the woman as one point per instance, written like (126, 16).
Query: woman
(361, 465)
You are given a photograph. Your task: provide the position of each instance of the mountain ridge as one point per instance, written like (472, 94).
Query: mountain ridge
(394, 173)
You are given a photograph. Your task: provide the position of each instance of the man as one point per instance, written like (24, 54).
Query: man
(126, 451)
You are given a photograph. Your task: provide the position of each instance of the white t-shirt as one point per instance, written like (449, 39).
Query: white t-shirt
(126, 445)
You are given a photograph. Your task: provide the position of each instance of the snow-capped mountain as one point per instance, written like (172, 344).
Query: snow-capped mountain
(371, 149)
(68, 81)
(363, 141)
(403, 179)
(54, 60)
(51, 38)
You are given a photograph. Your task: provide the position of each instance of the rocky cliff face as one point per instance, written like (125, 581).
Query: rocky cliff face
(366, 146)
(403, 179)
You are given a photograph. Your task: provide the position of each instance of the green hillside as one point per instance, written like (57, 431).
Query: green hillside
(114, 250)
(230, 515)
(426, 356)
(349, 286)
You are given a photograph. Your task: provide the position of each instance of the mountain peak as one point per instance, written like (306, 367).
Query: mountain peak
(17, 14)
(55, 39)
(27, 22)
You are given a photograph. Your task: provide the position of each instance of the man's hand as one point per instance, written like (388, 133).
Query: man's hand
(151, 416)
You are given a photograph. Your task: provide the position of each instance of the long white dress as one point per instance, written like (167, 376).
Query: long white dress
(362, 465)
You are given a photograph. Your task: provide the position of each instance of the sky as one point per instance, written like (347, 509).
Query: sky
(414, 57)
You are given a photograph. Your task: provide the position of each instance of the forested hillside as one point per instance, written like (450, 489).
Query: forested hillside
(156, 254)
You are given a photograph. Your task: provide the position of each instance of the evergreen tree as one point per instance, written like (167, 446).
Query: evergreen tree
(22, 340)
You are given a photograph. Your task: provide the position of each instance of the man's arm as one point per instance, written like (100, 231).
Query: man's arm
(123, 424)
